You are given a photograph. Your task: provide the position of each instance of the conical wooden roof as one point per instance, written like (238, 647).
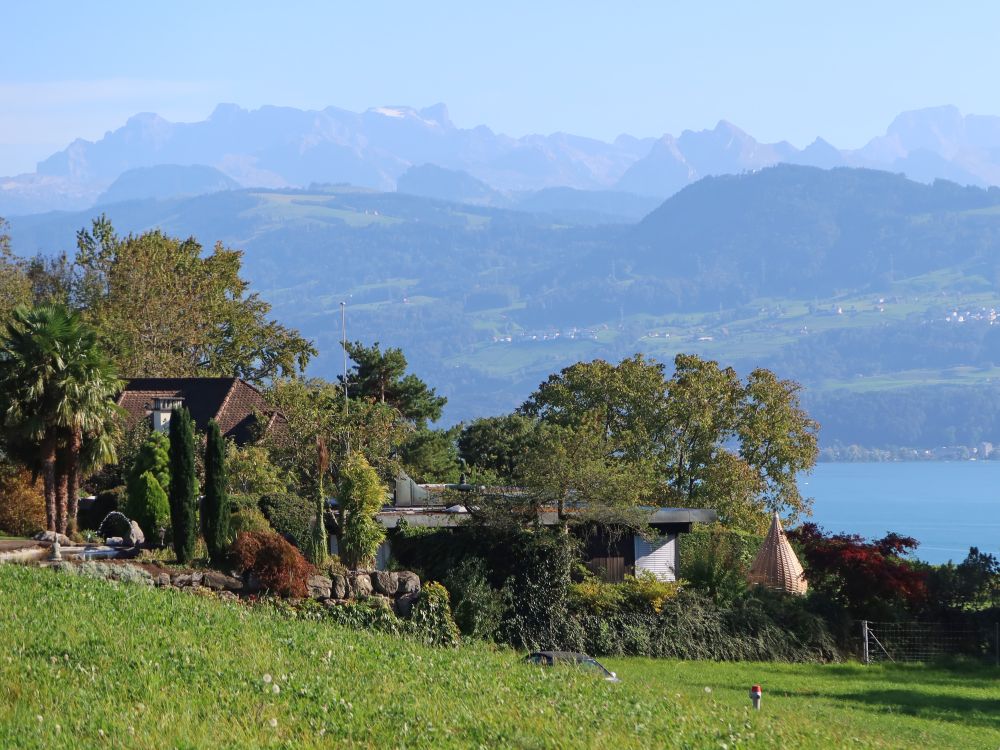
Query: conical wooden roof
(776, 565)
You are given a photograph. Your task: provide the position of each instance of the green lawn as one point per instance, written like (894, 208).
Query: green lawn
(128, 666)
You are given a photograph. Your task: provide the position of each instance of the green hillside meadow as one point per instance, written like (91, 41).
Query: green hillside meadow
(88, 663)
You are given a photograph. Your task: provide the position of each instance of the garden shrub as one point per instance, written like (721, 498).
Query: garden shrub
(431, 617)
(536, 596)
(361, 497)
(22, 502)
(183, 491)
(289, 515)
(246, 519)
(477, 607)
(215, 504)
(716, 560)
(642, 593)
(154, 457)
(278, 565)
(148, 505)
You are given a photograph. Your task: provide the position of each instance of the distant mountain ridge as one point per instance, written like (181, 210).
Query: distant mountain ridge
(280, 147)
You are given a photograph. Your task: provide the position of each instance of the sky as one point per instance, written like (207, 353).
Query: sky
(779, 70)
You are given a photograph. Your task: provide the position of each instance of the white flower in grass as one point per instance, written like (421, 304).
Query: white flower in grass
(708, 689)
(273, 723)
(267, 679)
(275, 689)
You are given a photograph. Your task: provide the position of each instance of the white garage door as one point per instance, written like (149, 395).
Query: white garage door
(658, 557)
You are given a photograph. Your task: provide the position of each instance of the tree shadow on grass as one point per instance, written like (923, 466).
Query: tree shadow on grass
(980, 712)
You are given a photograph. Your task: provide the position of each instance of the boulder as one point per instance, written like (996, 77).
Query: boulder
(51, 536)
(409, 583)
(319, 587)
(182, 580)
(135, 536)
(227, 596)
(385, 582)
(359, 585)
(338, 587)
(113, 541)
(163, 579)
(217, 581)
(381, 601)
(404, 604)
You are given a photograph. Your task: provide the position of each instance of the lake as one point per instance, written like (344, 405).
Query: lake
(947, 506)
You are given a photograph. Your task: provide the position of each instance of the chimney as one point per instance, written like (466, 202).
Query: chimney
(161, 411)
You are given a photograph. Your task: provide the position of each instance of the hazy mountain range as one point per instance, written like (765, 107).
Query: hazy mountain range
(389, 148)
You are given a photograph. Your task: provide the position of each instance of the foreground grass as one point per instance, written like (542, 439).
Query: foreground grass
(86, 663)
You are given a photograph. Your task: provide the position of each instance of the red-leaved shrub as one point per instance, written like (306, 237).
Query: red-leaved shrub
(278, 565)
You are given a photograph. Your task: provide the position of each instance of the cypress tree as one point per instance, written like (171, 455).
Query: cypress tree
(183, 485)
(215, 510)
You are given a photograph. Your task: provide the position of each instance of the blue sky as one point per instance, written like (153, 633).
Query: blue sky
(780, 70)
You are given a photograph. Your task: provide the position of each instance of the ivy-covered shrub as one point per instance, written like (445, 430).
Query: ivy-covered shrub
(280, 567)
(642, 593)
(289, 515)
(536, 596)
(477, 606)
(431, 617)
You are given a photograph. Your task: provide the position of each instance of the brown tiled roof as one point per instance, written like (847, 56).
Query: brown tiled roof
(229, 401)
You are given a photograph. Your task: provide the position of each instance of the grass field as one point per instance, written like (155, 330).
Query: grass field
(87, 663)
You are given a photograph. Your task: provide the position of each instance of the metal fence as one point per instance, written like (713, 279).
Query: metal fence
(927, 641)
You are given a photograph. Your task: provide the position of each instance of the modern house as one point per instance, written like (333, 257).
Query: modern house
(609, 555)
(233, 403)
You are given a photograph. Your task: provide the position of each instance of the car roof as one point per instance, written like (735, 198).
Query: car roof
(563, 655)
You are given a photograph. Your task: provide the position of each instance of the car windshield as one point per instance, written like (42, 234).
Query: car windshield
(592, 665)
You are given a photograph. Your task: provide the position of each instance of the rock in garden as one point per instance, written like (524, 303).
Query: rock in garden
(163, 579)
(404, 604)
(182, 580)
(51, 536)
(360, 585)
(338, 587)
(228, 596)
(385, 582)
(113, 541)
(135, 536)
(319, 587)
(409, 583)
(217, 581)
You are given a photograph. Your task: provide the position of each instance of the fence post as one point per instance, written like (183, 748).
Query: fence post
(996, 641)
(864, 641)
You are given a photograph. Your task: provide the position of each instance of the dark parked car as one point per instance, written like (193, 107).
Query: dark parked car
(552, 658)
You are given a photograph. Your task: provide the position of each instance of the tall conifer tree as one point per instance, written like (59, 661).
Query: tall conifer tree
(183, 485)
(215, 511)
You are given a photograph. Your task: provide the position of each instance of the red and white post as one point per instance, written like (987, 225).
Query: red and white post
(755, 695)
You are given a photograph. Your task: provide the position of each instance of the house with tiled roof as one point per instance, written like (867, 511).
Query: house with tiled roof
(233, 403)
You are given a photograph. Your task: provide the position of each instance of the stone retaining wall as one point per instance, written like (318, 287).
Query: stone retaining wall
(396, 590)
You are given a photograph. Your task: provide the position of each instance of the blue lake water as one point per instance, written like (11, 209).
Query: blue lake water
(947, 506)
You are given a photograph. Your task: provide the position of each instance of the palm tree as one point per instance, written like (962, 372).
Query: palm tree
(56, 399)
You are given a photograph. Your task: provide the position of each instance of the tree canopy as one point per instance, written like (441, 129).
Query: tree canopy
(381, 376)
(164, 308)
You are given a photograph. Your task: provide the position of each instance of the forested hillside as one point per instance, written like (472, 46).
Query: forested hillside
(854, 282)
